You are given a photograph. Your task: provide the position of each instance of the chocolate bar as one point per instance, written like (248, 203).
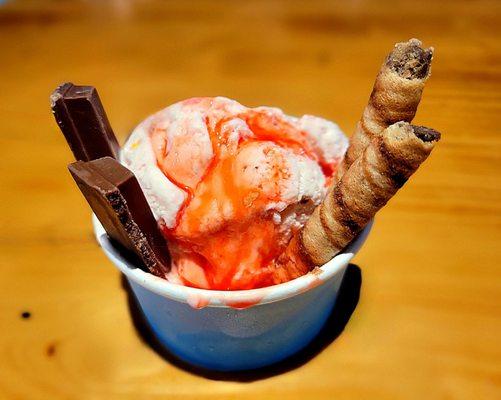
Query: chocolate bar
(83, 121)
(116, 198)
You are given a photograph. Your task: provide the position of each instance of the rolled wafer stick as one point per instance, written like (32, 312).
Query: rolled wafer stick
(373, 179)
(386, 164)
(395, 96)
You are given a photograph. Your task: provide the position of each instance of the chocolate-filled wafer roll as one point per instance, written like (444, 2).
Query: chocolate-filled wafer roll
(385, 165)
(395, 96)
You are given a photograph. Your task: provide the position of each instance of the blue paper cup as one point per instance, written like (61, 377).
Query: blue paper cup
(235, 330)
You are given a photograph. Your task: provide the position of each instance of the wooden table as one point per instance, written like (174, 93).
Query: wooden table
(427, 325)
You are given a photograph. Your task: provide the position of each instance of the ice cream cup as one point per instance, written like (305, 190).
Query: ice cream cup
(235, 330)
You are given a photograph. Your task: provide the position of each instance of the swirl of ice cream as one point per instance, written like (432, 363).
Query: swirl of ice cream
(229, 185)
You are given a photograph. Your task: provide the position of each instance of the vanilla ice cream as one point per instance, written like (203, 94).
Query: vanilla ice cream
(229, 185)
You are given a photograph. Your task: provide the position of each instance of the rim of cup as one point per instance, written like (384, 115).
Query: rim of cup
(199, 298)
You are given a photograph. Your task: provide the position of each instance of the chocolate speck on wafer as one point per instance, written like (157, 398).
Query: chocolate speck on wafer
(426, 134)
(409, 60)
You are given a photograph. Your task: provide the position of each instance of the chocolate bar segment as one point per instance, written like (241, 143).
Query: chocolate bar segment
(116, 198)
(83, 121)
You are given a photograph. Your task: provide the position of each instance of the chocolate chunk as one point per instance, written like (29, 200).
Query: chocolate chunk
(409, 60)
(426, 134)
(83, 121)
(116, 198)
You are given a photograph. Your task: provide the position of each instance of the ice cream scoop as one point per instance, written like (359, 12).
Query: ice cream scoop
(229, 185)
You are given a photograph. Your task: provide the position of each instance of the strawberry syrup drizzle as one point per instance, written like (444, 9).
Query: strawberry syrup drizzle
(269, 128)
(193, 248)
(242, 305)
(189, 196)
(198, 302)
(190, 192)
(283, 134)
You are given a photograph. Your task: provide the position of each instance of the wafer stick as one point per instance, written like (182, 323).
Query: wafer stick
(373, 179)
(395, 96)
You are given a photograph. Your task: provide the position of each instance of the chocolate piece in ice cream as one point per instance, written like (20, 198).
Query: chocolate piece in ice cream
(83, 121)
(116, 198)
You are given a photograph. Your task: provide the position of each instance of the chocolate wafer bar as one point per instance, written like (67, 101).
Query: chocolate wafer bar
(116, 198)
(83, 121)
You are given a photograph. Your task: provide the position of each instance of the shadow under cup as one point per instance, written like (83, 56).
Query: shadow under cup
(235, 330)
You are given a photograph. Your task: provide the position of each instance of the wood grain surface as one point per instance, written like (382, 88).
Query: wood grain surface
(428, 323)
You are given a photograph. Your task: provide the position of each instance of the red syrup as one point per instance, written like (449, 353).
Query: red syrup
(246, 246)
